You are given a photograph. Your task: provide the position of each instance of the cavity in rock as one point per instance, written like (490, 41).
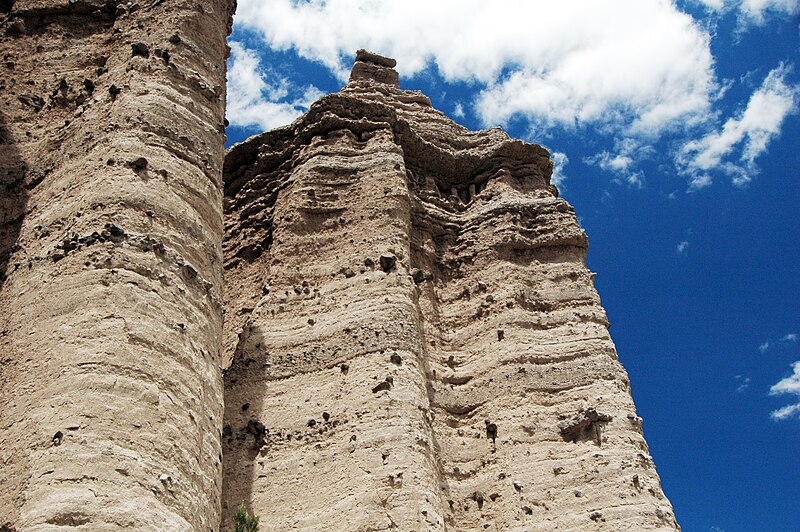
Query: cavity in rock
(388, 261)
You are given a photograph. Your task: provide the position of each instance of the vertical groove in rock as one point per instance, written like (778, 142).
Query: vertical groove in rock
(110, 263)
(416, 341)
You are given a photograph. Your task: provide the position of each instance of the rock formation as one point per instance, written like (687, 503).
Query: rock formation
(416, 341)
(413, 339)
(111, 152)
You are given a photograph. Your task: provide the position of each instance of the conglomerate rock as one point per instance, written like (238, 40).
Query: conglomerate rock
(111, 152)
(416, 341)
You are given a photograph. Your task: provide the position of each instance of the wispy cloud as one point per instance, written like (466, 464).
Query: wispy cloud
(256, 98)
(743, 383)
(786, 338)
(791, 386)
(682, 247)
(622, 161)
(458, 110)
(754, 11)
(747, 135)
(560, 160)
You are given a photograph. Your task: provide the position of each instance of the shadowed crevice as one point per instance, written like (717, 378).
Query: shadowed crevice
(13, 199)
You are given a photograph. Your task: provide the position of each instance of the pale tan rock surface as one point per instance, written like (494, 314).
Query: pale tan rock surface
(111, 121)
(417, 343)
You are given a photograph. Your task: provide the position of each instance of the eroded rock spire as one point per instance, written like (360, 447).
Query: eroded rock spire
(373, 67)
(412, 321)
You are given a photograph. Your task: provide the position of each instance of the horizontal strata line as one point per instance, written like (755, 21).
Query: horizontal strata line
(495, 363)
(335, 364)
(468, 334)
(497, 359)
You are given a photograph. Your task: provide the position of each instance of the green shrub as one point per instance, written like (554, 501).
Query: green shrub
(244, 521)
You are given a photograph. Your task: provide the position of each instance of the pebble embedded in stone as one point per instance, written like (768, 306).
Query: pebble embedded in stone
(385, 385)
(141, 49)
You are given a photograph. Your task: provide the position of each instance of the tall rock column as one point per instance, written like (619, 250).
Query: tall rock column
(110, 263)
(417, 343)
(327, 419)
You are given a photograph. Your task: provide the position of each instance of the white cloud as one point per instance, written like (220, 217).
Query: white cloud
(622, 160)
(789, 337)
(574, 69)
(257, 99)
(560, 160)
(682, 247)
(744, 383)
(748, 134)
(633, 70)
(790, 385)
(754, 11)
(717, 5)
(785, 412)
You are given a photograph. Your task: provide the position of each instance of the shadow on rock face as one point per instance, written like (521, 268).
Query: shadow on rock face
(13, 199)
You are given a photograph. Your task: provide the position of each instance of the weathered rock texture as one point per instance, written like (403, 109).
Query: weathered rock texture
(417, 343)
(111, 150)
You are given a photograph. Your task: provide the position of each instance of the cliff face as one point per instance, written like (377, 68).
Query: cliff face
(416, 341)
(111, 149)
(413, 337)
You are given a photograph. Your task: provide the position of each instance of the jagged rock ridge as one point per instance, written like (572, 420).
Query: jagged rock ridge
(416, 341)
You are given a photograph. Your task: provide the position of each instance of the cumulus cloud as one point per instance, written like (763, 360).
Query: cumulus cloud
(636, 71)
(747, 135)
(256, 98)
(564, 63)
(682, 247)
(791, 337)
(791, 386)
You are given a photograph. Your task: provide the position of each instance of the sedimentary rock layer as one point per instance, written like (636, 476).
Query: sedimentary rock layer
(111, 148)
(416, 341)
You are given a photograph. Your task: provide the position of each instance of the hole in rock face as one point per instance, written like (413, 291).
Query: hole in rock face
(6, 5)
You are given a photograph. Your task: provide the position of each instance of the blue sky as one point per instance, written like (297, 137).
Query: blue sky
(675, 129)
